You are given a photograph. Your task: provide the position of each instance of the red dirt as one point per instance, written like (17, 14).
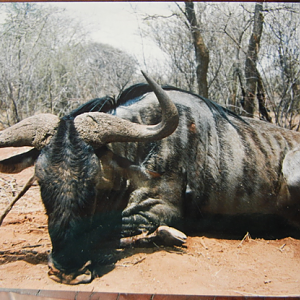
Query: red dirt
(206, 266)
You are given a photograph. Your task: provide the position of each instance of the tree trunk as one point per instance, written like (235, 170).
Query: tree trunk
(13, 107)
(261, 97)
(201, 51)
(250, 106)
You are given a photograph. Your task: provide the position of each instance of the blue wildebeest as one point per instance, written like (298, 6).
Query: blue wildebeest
(145, 165)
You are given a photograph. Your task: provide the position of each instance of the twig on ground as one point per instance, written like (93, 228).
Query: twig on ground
(245, 293)
(246, 237)
(281, 248)
(202, 243)
(11, 184)
(33, 246)
(139, 261)
(175, 250)
(13, 202)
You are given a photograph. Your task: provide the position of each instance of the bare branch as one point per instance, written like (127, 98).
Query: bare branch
(19, 196)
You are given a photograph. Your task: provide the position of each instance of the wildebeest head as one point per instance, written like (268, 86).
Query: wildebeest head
(68, 171)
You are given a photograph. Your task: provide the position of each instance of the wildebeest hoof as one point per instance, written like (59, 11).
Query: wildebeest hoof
(83, 275)
(170, 236)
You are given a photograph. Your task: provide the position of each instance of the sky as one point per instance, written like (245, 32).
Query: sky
(118, 23)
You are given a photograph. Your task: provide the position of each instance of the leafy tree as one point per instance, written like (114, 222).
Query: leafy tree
(253, 52)
(280, 63)
(201, 51)
(31, 59)
(47, 64)
(109, 69)
(173, 37)
(253, 80)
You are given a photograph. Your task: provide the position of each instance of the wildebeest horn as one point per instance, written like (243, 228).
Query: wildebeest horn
(99, 128)
(95, 128)
(35, 131)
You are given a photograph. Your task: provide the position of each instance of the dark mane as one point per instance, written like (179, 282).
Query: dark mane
(213, 106)
(134, 93)
(104, 104)
(108, 104)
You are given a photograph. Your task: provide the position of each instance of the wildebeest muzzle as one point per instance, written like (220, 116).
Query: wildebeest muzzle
(82, 275)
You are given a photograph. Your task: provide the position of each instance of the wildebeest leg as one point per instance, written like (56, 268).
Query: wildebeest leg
(169, 236)
(291, 175)
(151, 207)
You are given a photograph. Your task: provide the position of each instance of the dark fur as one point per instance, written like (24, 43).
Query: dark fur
(215, 163)
(135, 93)
(66, 170)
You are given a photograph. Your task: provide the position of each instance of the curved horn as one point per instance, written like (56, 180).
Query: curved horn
(35, 131)
(99, 128)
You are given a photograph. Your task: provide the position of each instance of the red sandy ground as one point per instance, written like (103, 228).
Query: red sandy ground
(206, 266)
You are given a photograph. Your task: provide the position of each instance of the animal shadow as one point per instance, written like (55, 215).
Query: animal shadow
(235, 227)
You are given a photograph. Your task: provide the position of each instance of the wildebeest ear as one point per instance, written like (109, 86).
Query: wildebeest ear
(129, 168)
(111, 157)
(19, 162)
